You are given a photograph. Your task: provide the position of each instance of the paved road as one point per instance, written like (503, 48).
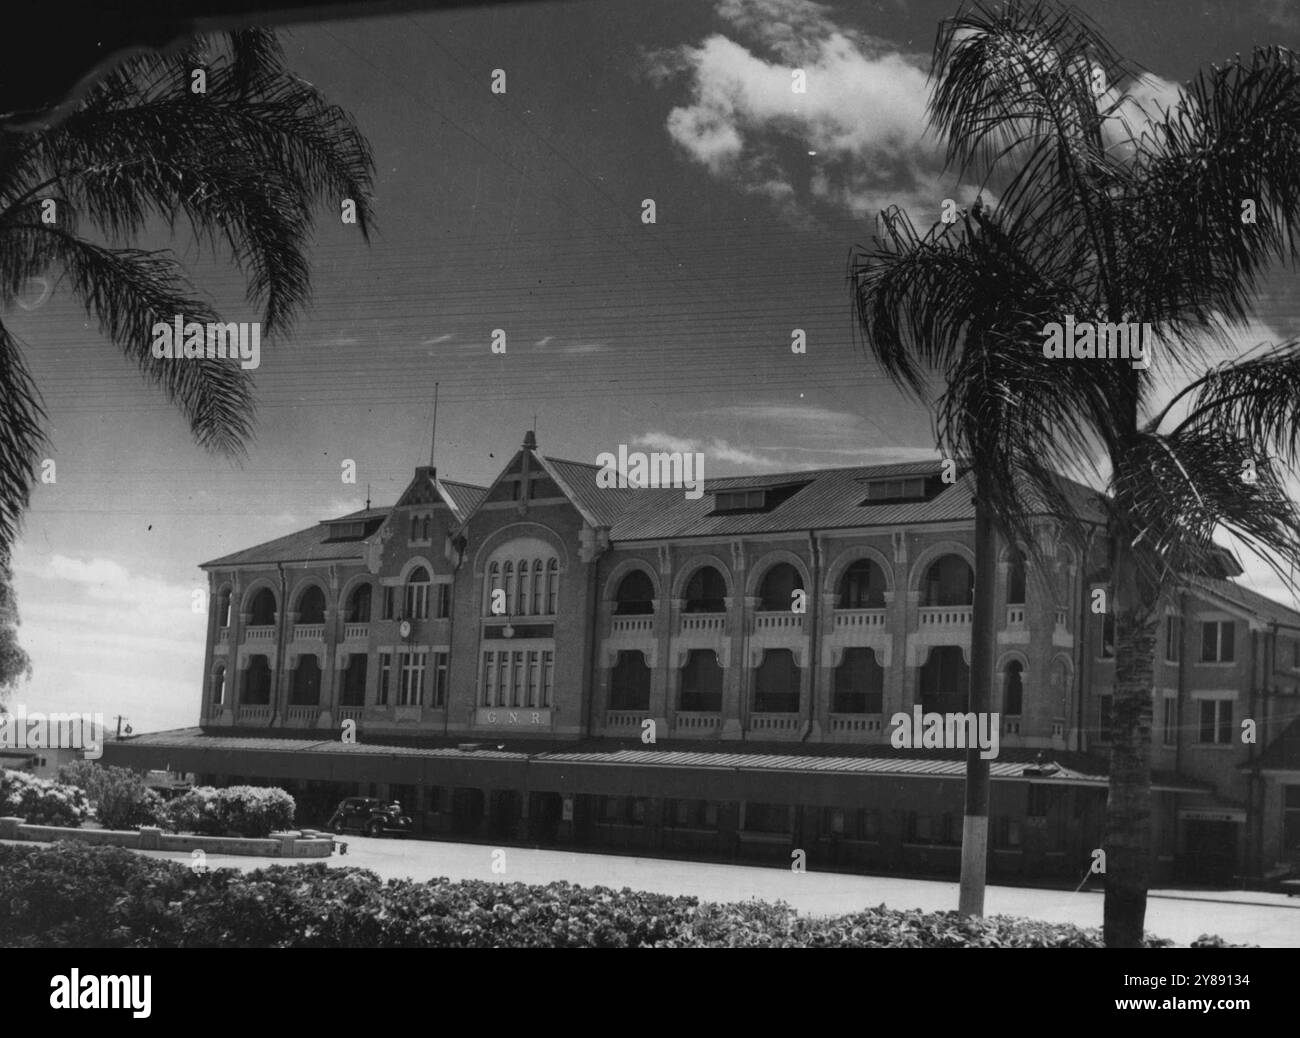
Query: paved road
(1270, 920)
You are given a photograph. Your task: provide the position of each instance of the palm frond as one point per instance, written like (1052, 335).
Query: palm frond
(22, 419)
(128, 291)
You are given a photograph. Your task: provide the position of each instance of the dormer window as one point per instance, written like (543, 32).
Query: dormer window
(753, 499)
(911, 488)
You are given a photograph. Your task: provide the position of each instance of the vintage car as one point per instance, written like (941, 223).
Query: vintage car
(369, 815)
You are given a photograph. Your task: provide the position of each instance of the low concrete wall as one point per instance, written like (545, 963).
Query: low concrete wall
(306, 844)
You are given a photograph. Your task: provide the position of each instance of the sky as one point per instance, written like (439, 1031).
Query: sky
(523, 212)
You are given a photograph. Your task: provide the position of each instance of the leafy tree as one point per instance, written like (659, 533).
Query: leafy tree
(1110, 213)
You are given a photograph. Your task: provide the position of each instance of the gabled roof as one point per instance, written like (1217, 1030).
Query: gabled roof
(462, 498)
(311, 545)
(1251, 601)
(315, 545)
(1283, 753)
(600, 505)
(828, 499)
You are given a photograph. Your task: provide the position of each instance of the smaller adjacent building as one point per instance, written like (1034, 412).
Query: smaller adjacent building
(552, 660)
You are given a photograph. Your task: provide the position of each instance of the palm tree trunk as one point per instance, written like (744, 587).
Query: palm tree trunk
(975, 824)
(1128, 808)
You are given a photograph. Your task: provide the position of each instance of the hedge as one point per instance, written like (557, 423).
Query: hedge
(40, 801)
(119, 796)
(72, 895)
(255, 811)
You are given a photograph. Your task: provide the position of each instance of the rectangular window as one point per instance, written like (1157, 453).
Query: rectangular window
(1218, 641)
(444, 601)
(548, 672)
(1040, 800)
(1173, 638)
(517, 680)
(433, 799)
(503, 679)
(534, 677)
(1291, 819)
(385, 676)
(389, 600)
(833, 822)
(417, 601)
(1007, 835)
(767, 818)
(1216, 722)
(439, 680)
(489, 676)
(1104, 705)
(1108, 637)
(1169, 732)
(412, 692)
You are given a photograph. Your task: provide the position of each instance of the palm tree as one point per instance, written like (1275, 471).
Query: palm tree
(1109, 223)
(244, 164)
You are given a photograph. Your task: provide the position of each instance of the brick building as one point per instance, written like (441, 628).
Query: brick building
(550, 661)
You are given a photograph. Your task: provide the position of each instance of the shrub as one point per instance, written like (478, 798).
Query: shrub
(40, 801)
(241, 810)
(119, 796)
(74, 895)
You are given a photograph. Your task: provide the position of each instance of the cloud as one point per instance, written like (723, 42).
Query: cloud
(714, 449)
(862, 111)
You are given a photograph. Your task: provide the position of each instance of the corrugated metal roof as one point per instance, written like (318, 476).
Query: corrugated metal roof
(876, 759)
(464, 497)
(304, 545)
(578, 480)
(1251, 601)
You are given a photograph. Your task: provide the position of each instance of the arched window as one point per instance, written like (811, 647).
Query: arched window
(948, 582)
(358, 611)
(311, 606)
(493, 584)
(257, 683)
(776, 594)
(262, 609)
(552, 585)
(859, 683)
(354, 681)
(539, 598)
(629, 683)
(415, 528)
(862, 586)
(944, 681)
(521, 602)
(1016, 581)
(509, 577)
(417, 594)
(306, 682)
(1013, 689)
(701, 687)
(635, 594)
(706, 592)
(223, 608)
(426, 530)
(218, 686)
(776, 683)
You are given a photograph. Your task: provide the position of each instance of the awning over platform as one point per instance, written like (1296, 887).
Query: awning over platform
(832, 775)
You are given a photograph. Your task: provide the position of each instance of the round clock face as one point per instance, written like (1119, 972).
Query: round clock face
(404, 628)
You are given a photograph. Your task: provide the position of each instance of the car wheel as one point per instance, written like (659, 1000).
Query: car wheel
(375, 829)
(337, 827)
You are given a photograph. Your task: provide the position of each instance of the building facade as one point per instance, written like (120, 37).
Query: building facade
(555, 661)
